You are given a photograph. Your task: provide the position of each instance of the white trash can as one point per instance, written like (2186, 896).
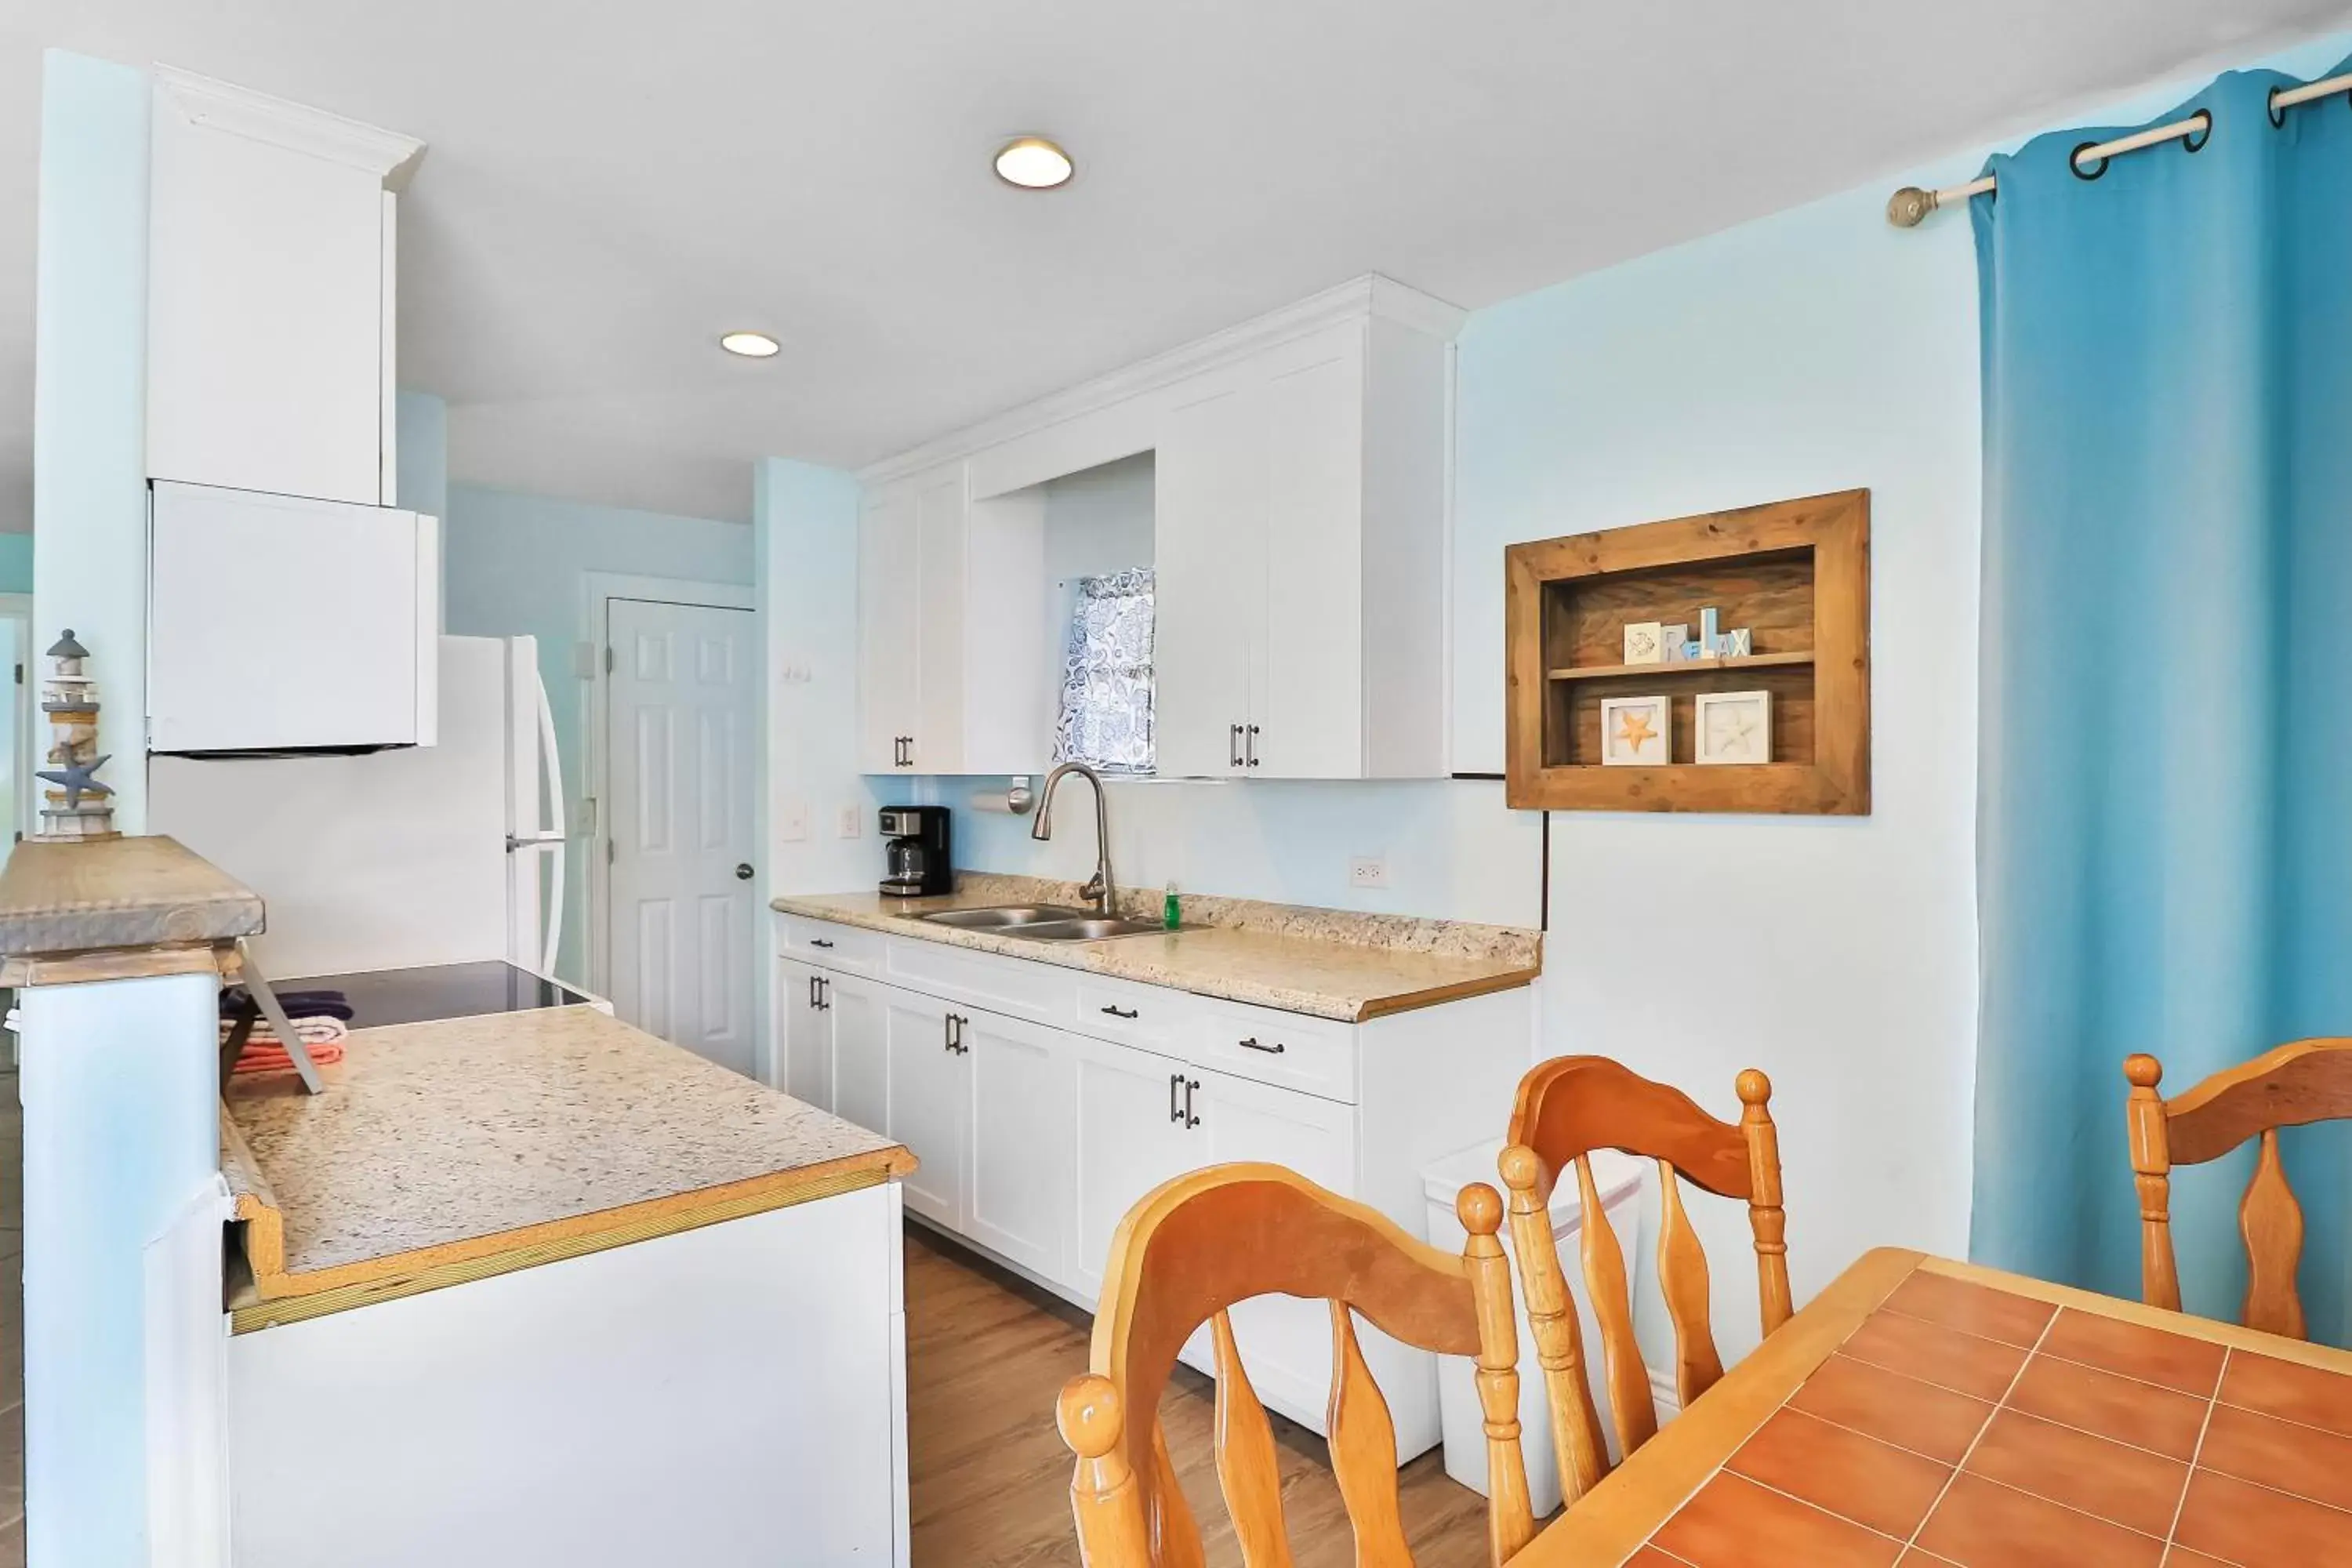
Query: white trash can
(1618, 1179)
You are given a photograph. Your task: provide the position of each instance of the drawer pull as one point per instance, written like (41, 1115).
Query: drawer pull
(1175, 1082)
(1251, 1044)
(820, 941)
(1123, 1012)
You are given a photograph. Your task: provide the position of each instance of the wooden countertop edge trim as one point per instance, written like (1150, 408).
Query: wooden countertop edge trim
(120, 963)
(280, 1295)
(1412, 1001)
(1610, 1523)
(2325, 1358)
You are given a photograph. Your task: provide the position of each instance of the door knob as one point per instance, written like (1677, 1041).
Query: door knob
(743, 872)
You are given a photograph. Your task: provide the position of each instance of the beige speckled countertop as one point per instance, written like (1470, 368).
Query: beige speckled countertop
(1332, 964)
(462, 1147)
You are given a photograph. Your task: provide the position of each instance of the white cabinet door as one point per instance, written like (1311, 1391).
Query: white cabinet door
(861, 1062)
(1286, 1342)
(1024, 1116)
(1209, 557)
(890, 634)
(931, 1103)
(266, 298)
(1308, 682)
(1131, 1138)
(230, 568)
(806, 1033)
(938, 727)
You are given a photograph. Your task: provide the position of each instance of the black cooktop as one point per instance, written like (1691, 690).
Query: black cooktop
(438, 991)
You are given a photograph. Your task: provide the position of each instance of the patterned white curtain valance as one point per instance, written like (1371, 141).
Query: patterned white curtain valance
(1106, 712)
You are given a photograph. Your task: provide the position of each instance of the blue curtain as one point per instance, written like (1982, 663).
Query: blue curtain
(2166, 835)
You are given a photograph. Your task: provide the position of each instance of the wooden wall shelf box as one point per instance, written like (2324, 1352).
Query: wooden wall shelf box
(1797, 572)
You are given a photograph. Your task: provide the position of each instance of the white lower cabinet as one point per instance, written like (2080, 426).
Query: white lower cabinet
(1286, 1342)
(1036, 1134)
(1023, 1123)
(1131, 1138)
(929, 1103)
(861, 1072)
(805, 1034)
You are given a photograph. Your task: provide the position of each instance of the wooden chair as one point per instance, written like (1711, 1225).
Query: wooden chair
(1202, 1242)
(2305, 1081)
(1567, 1108)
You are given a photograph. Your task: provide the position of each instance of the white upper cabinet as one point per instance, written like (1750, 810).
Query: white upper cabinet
(1300, 542)
(270, 336)
(239, 656)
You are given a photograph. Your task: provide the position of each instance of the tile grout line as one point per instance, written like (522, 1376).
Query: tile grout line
(2181, 1504)
(2056, 1355)
(1987, 1426)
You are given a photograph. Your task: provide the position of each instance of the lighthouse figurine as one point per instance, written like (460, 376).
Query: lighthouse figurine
(76, 807)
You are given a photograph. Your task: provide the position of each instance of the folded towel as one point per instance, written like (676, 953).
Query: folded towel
(272, 1058)
(264, 1052)
(237, 1001)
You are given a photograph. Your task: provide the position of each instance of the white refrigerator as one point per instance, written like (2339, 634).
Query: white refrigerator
(451, 853)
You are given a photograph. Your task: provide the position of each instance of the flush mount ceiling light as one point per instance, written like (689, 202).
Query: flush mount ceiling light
(750, 345)
(1034, 163)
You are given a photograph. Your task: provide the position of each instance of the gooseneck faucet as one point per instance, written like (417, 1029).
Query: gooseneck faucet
(1106, 897)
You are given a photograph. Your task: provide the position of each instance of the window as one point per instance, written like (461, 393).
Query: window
(1105, 717)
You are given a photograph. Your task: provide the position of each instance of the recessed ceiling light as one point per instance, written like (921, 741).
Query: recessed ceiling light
(750, 345)
(1034, 163)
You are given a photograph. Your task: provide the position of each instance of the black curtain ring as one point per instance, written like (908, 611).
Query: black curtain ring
(2193, 141)
(2074, 162)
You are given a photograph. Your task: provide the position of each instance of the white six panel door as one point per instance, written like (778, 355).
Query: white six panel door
(681, 719)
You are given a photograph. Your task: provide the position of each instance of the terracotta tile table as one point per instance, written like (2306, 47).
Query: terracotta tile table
(1925, 1412)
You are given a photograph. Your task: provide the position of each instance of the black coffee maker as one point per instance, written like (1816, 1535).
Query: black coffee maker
(917, 852)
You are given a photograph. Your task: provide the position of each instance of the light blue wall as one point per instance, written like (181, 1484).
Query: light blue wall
(420, 458)
(518, 566)
(89, 394)
(16, 563)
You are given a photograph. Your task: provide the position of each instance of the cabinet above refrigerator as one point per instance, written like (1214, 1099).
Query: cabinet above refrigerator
(283, 625)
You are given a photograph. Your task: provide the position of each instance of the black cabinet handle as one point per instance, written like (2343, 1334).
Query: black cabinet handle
(812, 993)
(1251, 1044)
(1234, 746)
(1175, 1082)
(1252, 747)
(1122, 1013)
(820, 941)
(955, 1022)
(1191, 1120)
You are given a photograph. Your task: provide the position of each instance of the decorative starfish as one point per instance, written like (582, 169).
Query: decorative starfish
(76, 782)
(1733, 731)
(1633, 728)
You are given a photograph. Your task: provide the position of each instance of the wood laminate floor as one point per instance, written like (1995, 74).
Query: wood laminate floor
(986, 1353)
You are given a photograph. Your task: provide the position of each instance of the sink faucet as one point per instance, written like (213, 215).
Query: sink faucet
(1104, 896)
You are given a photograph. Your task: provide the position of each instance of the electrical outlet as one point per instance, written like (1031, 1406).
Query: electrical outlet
(793, 822)
(1368, 872)
(850, 823)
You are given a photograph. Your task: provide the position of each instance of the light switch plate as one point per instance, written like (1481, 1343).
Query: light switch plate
(850, 823)
(1368, 872)
(793, 822)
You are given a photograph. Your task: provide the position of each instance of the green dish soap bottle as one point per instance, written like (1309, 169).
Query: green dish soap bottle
(1168, 915)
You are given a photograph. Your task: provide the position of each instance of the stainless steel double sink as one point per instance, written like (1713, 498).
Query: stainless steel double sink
(1042, 922)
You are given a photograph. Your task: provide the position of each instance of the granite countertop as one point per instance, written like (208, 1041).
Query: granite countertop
(1331, 964)
(530, 1135)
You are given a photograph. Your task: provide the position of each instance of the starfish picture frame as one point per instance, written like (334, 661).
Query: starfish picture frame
(1634, 732)
(1732, 727)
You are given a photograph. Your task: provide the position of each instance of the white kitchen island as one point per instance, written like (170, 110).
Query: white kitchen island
(539, 1287)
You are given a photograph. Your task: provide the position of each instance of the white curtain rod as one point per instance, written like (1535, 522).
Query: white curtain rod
(1909, 205)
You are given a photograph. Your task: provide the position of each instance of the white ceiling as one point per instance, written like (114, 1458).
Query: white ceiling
(613, 183)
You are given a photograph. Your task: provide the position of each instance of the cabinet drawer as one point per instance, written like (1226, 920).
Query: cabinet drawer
(1288, 1049)
(1045, 993)
(1152, 1016)
(829, 946)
